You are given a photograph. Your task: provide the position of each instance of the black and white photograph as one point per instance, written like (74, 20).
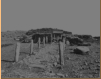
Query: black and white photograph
(50, 38)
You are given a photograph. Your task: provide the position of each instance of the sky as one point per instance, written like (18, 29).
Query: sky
(76, 16)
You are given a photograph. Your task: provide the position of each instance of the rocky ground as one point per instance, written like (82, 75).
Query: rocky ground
(44, 63)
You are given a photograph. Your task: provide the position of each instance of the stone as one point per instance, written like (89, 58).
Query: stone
(2, 71)
(86, 63)
(61, 75)
(67, 43)
(81, 50)
(50, 74)
(37, 65)
(26, 61)
(66, 75)
(21, 62)
(33, 60)
(55, 64)
(68, 58)
(57, 57)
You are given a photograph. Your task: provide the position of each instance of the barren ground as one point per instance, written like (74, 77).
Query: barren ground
(42, 63)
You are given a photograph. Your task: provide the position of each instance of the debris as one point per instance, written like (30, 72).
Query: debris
(58, 66)
(37, 65)
(97, 61)
(66, 75)
(55, 64)
(50, 74)
(26, 61)
(98, 65)
(86, 63)
(33, 60)
(68, 58)
(20, 62)
(61, 75)
(57, 57)
(97, 52)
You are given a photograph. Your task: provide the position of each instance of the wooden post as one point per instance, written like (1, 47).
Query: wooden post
(17, 51)
(58, 39)
(64, 42)
(31, 47)
(54, 36)
(51, 38)
(61, 50)
(61, 36)
(39, 42)
(44, 41)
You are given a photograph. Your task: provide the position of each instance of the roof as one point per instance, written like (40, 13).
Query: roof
(57, 31)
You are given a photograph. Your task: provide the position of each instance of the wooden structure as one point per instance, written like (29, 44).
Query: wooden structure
(47, 37)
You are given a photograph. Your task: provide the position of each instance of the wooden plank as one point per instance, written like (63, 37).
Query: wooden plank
(17, 52)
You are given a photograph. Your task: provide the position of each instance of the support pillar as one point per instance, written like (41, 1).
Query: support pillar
(64, 41)
(51, 38)
(39, 42)
(61, 36)
(44, 40)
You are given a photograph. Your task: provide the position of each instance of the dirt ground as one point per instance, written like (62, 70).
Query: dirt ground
(44, 63)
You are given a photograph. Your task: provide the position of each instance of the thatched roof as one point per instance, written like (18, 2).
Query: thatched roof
(46, 31)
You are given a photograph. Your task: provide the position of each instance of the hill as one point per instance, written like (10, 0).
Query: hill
(8, 36)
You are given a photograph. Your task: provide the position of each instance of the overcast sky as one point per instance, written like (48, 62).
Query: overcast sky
(77, 16)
